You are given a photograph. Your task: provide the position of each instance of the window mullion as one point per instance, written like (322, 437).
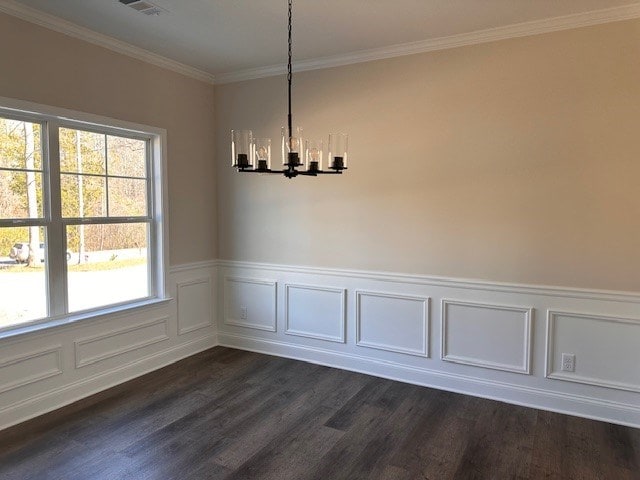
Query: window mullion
(56, 238)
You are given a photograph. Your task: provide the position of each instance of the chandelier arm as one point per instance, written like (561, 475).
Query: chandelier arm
(289, 72)
(293, 172)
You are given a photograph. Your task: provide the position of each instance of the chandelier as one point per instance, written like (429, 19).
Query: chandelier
(299, 156)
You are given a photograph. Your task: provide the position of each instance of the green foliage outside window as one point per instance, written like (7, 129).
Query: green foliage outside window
(88, 162)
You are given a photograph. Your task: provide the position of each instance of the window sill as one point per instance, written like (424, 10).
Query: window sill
(71, 319)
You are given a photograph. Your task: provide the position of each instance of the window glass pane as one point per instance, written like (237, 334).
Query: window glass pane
(82, 152)
(22, 275)
(126, 157)
(109, 264)
(127, 197)
(20, 144)
(20, 194)
(83, 196)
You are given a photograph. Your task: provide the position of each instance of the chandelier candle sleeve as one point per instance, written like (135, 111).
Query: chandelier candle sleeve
(313, 155)
(338, 151)
(292, 147)
(262, 151)
(241, 149)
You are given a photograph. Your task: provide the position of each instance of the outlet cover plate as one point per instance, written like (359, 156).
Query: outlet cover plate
(568, 362)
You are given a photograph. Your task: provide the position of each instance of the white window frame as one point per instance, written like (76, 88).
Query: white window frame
(51, 119)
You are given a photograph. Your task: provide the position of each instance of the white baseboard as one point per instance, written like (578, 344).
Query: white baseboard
(67, 394)
(592, 408)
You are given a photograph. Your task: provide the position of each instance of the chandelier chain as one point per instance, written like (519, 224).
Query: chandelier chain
(289, 74)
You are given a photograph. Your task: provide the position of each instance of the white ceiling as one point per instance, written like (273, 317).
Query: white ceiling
(223, 36)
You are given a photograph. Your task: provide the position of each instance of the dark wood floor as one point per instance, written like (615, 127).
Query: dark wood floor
(238, 415)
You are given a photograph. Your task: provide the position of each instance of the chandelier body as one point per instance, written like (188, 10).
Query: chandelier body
(300, 156)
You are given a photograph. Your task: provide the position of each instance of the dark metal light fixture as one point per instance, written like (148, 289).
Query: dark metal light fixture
(299, 156)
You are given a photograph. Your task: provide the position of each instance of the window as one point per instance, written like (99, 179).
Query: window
(80, 217)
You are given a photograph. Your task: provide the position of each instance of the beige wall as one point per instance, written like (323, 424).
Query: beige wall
(514, 161)
(43, 66)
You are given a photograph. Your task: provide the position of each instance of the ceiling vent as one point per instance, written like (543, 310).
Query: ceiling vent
(142, 6)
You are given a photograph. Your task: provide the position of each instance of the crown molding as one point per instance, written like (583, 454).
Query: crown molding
(536, 27)
(57, 24)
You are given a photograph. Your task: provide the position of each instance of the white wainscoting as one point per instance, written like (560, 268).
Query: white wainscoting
(255, 297)
(45, 369)
(392, 322)
(315, 312)
(30, 367)
(606, 349)
(194, 299)
(120, 341)
(490, 344)
(471, 331)
(38, 369)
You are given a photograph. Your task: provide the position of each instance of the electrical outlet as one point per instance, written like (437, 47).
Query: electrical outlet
(243, 313)
(568, 362)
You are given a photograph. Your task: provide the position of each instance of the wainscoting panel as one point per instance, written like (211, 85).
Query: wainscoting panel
(250, 303)
(396, 323)
(489, 336)
(118, 342)
(606, 349)
(315, 312)
(194, 301)
(30, 367)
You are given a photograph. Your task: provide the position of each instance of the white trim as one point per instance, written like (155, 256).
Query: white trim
(160, 190)
(256, 281)
(184, 267)
(25, 409)
(82, 362)
(51, 327)
(566, 403)
(426, 307)
(462, 283)
(48, 112)
(343, 321)
(57, 24)
(536, 27)
(205, 324)
(572, 377)
(525, 368)
(57, 370)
